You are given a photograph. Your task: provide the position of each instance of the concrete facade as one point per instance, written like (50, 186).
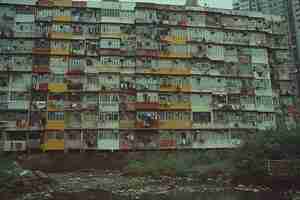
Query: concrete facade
(107, 75)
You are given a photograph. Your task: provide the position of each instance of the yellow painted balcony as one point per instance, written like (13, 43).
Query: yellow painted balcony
(61, 35)
(174, 39)
(63, 3)
(56, 124)
(175, 106)
(175, 88)
(57, 87)
(53, 144)
(60, 51)
(127, 123)
(62, 18)
(107, 68)
(175, 124)
(54, 108)
(151, 71)
(174, 71)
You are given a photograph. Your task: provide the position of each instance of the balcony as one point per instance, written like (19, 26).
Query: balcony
(174, 71)
(111, 107)
(56, 124)
(147, 52)
(62, 3)
(41, 87)
(108, 124)
(167, 141)
(61, 35)
(18, 105)
(199, 125)
(89, 124)
(57, 87)
(40, 69)
(60, 51)
(62, 18)
(89, 105)
(127, 106)
(175, 106)
(108, 52)
(18, 67)
(111, 35)
(147, 105)
(89, 119)
(91, 87)
(108, 143)
(44, 51)
(53, 144)
(72, 120)
(174, 55)
(175, 88)
(265, 107)
(105, 19)
(107, 68)
(173, 39)
(127, 124)
(147, 124)
(175, 124)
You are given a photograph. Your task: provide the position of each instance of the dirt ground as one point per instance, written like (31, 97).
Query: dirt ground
(59, 162)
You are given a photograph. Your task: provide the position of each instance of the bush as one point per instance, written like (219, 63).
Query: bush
(266, 145)
(176, 163)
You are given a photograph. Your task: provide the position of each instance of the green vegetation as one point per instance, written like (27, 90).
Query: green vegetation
(248, 160)
(277, 144)
(178, 163)
(8, 171)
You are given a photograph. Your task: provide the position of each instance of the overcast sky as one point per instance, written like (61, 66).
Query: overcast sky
(211, 3)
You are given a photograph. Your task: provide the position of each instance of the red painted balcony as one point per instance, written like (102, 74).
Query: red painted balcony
(147, 105)
(42, 87)
(40, 69)
(74, 72)
(80, 4)
(147, 53)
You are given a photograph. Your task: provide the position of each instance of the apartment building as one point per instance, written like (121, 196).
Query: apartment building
(272, 7)
(289, 9)
(108, 75)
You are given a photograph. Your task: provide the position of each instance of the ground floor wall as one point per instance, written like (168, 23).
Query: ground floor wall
(123, 139)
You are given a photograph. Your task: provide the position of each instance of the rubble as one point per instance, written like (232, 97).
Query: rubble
(37, 185)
